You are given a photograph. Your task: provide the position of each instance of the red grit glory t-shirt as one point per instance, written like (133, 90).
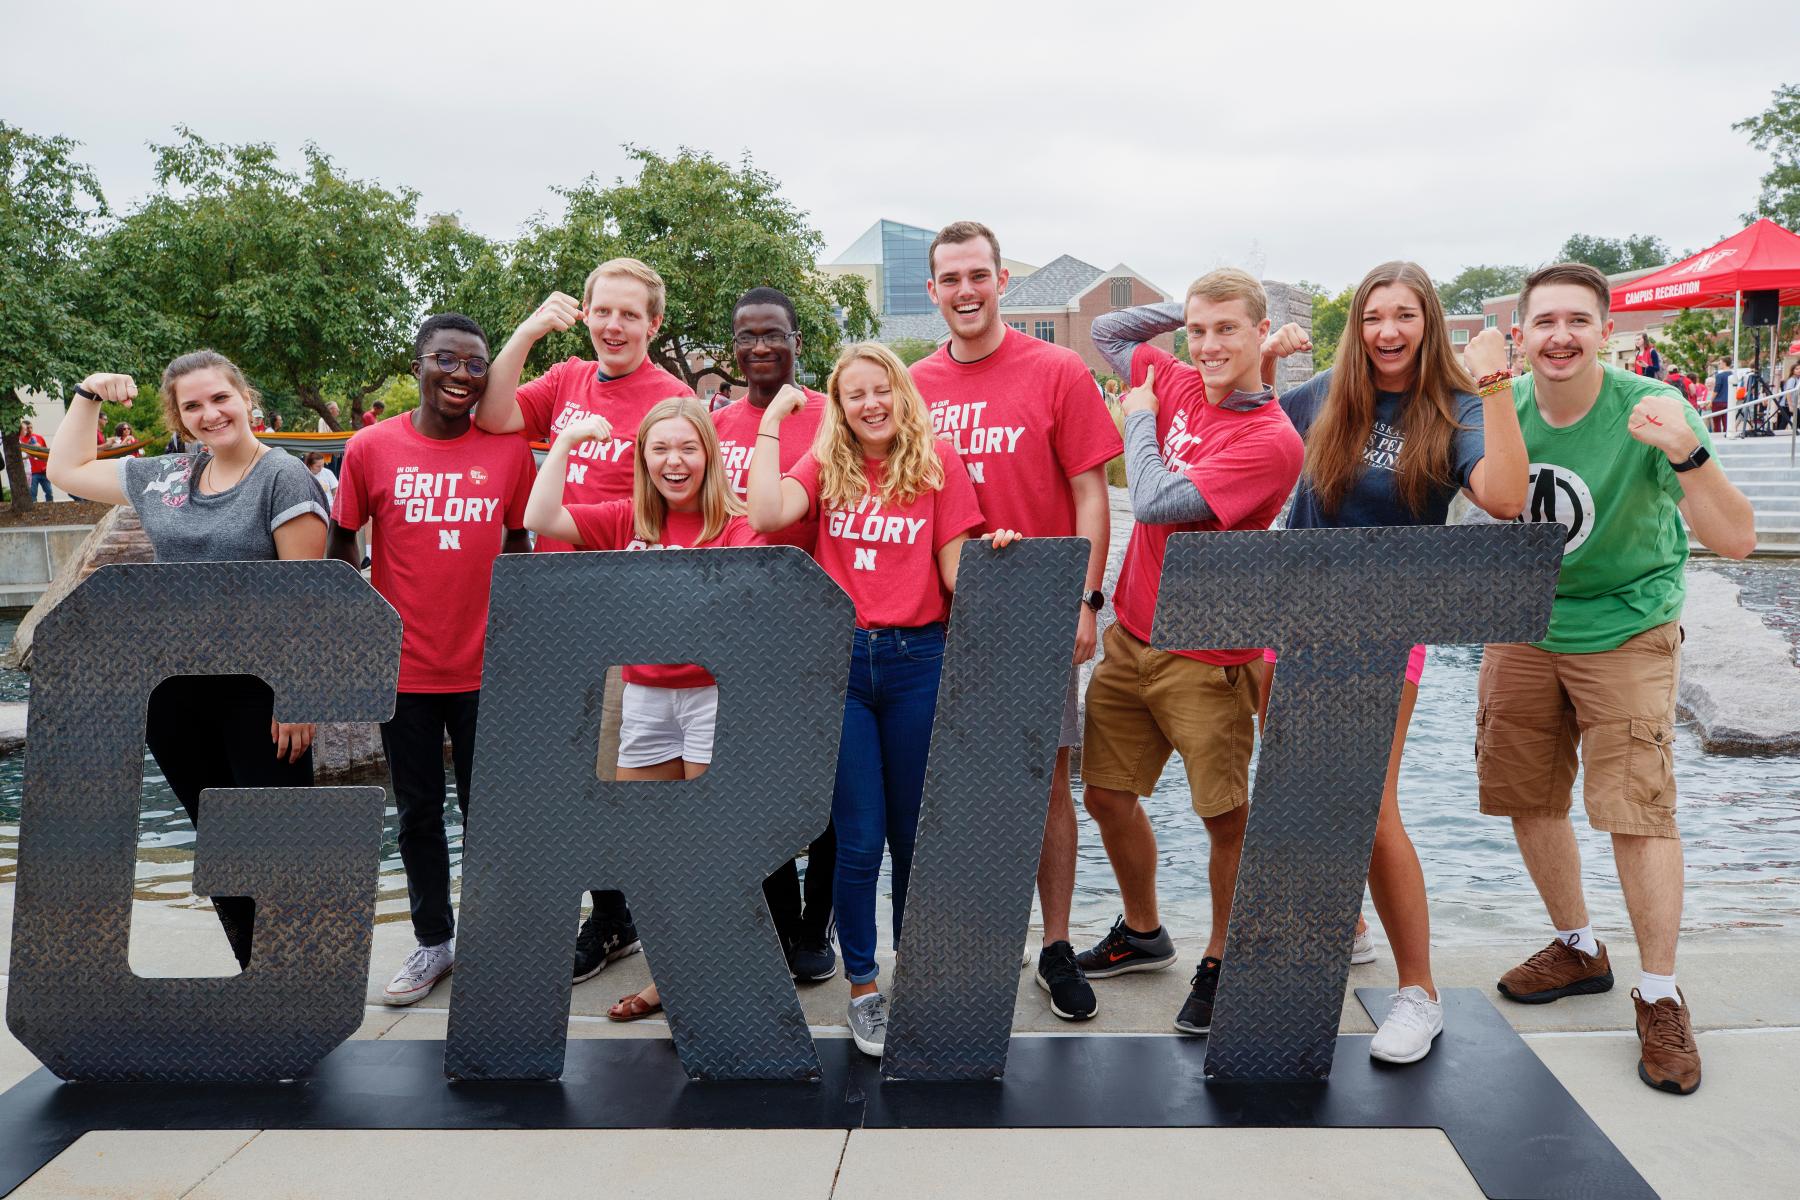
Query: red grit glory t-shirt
(572, 391)
(441, 510)
(737, 424)
(885, 555)
(611, 525)
(1244, 463)
(1025, 419)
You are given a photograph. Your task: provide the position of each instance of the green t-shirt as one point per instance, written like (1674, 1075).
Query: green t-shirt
(1626, 548)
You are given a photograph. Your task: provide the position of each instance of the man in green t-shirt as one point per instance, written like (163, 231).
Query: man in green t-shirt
(1619, 459)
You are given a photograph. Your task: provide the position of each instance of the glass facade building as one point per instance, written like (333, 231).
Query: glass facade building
(904, 269)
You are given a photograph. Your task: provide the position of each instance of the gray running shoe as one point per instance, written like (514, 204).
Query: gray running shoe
(1119, 952)
(868, 1023)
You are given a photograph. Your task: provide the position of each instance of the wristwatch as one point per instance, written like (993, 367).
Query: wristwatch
(1698, 458)
(1095, 599)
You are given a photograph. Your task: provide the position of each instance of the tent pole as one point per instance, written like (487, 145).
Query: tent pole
(1737, 310)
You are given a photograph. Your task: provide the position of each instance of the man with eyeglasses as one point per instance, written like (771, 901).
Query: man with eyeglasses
(445, 497)
(765, 343)
(1031, 426)
(622, 307)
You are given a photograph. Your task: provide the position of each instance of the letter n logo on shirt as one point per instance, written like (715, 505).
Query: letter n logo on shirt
(865, 559)
(449, 539)
(577, 473)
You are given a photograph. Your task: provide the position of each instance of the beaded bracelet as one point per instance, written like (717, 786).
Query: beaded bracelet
(1492, 378)
(1494, 389)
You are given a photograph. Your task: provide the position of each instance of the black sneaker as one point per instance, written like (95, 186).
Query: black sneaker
(598, 944)
(810, 957)
(1196, 1015)
(1119, 952)
(1057, 973)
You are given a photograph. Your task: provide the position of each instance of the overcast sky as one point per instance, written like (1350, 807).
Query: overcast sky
(1309, 141)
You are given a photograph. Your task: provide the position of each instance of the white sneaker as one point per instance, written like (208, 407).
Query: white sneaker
(1412, 1024)
(1362, 949)
(868, 1023)
(420, 973)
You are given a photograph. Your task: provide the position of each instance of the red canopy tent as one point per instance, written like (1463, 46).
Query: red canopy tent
(1764, 257)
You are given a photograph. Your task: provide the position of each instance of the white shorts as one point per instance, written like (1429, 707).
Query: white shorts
(657, 724)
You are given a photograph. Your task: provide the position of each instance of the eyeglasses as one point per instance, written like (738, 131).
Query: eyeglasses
(448, 362)
(750, 341)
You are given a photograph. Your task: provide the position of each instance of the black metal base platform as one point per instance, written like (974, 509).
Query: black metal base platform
(1520, 1134)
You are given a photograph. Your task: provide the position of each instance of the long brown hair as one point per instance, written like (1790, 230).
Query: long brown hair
(650, 512)
(1428, 416)
(912, 466)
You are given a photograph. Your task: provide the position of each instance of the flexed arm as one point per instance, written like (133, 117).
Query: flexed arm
(73, 467)
(499, 410)
(545, 513)
(774, 501)
(1117, 335)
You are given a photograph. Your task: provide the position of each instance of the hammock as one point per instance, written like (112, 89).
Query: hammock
(119, 451)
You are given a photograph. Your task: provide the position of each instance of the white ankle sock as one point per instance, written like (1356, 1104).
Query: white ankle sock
(1657, 987)
(1581, 939)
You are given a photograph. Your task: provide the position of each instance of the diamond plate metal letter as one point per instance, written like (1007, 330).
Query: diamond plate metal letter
(690, 856)
(987, 784)
(1342, 607)
(329, 646)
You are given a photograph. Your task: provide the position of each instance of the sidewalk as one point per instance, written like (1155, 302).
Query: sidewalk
(1739, 1135)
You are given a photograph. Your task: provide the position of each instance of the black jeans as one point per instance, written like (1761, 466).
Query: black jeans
(212, 731)
(414, 743)
(783, 892)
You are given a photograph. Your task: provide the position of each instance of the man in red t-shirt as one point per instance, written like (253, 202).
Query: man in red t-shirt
(622, 306)
(38, 467)
(374, 413)
(1036, 437)
(765, 343)
(1205, 449)
(445, 498)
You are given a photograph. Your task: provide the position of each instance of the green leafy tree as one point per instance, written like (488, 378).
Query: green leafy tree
(1330, 314)
(912, 349)
(306, 279)
(48, 206)
(1613, 255)
(1694, 338)
(1472, 285)
(1777, 130)
(713, 231)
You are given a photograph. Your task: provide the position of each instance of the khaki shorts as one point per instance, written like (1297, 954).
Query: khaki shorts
(1143, 704)
(1618, 706)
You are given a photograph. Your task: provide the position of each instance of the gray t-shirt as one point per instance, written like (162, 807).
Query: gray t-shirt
(237, 525)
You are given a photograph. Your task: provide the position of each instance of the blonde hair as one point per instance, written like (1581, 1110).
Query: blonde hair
(629, 268)
(1229, 283)
(649, 510)
(912, 468)
(187, 364)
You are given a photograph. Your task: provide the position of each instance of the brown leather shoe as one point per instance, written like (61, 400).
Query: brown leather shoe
(1670, 1061)
(1556, 971)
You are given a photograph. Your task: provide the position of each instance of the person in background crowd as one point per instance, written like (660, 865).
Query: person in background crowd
(766, 344)
(374, 413)
(275, 423)
(1206, 448)
(1636, 464)
(39, 468)
(875, 449)
(1721, 395)
(256, 421)
(1394, 430)
(433, 560)
(234, 500)
(327, 480)
(622, 307)
(1035, 435)
(1648, 362)
(722, 397)
(679, 500)
(325, 426)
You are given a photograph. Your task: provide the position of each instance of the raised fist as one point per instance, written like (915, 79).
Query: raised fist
(788, 401)
(557, 313)
(113, 389)
(1289, 339)
(1485, 353)
(1660, 420)
(588, 429)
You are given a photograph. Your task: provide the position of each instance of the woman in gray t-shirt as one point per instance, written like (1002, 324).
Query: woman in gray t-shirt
(231, 500)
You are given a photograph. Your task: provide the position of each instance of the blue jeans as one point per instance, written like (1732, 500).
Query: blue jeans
(41, 480)
(881, 778)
